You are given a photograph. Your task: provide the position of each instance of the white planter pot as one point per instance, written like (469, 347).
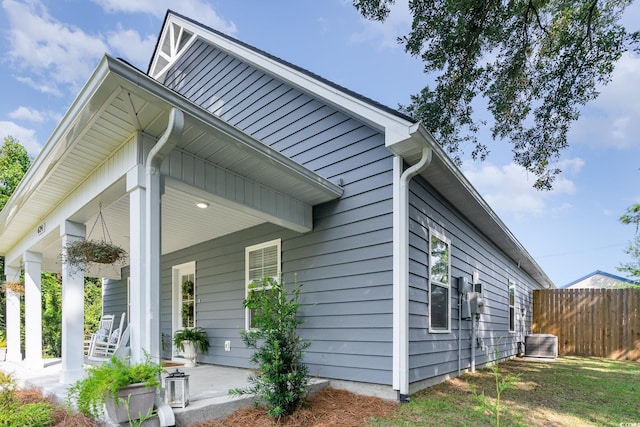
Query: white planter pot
(189, 353)
(141, 400)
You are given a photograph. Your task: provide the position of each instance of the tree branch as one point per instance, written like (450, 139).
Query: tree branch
(542, 27)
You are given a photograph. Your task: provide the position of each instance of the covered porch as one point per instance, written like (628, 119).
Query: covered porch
(209, 387)
(146, 158)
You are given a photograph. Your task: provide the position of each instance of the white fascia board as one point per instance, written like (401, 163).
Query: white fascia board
(394, 127)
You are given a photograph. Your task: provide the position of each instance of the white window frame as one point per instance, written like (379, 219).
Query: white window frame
(247, 280)
(511, 307)
(441, 237)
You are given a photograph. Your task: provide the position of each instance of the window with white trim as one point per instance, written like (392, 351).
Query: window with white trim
(512, 306)
(439, 283)
(261, 261)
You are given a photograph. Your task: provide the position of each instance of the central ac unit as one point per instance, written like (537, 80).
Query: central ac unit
(541, 345)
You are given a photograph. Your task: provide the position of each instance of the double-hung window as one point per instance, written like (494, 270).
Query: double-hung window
(512, 306)
(261, 261)
(439, 283)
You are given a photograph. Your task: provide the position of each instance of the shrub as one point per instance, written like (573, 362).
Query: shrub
(282, 381)
(23, 407)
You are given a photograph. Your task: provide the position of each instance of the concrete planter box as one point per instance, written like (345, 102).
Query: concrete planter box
(141, 401)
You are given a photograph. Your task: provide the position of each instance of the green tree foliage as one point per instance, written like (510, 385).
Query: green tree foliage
(51, 315)
(92, 304)
(14, 162)
(535, 63)
(282, 381)
(632, 217)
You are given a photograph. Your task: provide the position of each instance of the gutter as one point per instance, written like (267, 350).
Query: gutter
(149, 332)
(401, 267)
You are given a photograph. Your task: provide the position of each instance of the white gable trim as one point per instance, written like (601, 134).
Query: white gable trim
(174, 41)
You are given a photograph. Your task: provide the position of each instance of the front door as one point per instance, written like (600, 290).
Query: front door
(184, 299)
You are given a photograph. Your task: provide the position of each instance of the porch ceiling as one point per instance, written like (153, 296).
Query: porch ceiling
(116, 103)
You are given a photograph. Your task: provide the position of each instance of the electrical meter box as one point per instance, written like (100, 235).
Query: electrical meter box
(464, 286)
(476, 303)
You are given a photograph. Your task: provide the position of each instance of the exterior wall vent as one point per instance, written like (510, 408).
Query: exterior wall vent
(541, 345)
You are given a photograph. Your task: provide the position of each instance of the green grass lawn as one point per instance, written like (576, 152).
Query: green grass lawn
(572, 391)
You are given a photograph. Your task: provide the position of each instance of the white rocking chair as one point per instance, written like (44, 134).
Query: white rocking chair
(102, 334)
(114, 345)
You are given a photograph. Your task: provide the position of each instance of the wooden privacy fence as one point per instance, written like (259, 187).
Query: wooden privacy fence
(590, 322)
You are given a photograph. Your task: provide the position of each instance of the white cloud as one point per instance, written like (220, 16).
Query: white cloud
(200, 10)
(132, 46)
(571, 166)
(55, 53)
(613, 119)
(33, 115)
(24, 113)
(508, 189)
(26, 137)
(398, 23)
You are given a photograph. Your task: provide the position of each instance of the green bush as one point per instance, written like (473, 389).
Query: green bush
(282, 381)
(15, 413)
(36, 414)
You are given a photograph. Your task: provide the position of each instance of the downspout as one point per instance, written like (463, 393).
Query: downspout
(459, 329)
(401, 225)
(150, 333)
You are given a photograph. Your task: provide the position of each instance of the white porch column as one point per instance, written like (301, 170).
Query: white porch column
(12, 312)
(33, 309)
(137, 257)
(153, 265)
(72, 309)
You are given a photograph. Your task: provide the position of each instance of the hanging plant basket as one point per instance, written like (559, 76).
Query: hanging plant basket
(17, 287)
(81, 252)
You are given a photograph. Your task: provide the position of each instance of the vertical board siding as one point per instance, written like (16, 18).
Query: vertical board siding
(590, 322)
(344, 265)
(434, 354)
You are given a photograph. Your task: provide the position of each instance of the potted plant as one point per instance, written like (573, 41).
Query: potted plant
(81, 252)
(126, 390)
(190, 341)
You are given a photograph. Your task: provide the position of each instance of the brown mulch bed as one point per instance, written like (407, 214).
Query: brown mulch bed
(330, 407)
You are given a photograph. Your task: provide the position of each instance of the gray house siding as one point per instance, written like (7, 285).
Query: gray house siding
(436, 354)
(115, 298)
(344, 264)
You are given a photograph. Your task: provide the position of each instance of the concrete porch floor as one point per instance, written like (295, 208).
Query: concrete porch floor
(209, 387)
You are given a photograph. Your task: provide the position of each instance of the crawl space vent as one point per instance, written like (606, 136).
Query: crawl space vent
(541, 345)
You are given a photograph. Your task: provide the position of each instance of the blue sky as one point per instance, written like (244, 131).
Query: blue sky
(49, 49)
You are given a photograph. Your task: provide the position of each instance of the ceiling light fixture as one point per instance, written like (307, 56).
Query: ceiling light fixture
(202, 205)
